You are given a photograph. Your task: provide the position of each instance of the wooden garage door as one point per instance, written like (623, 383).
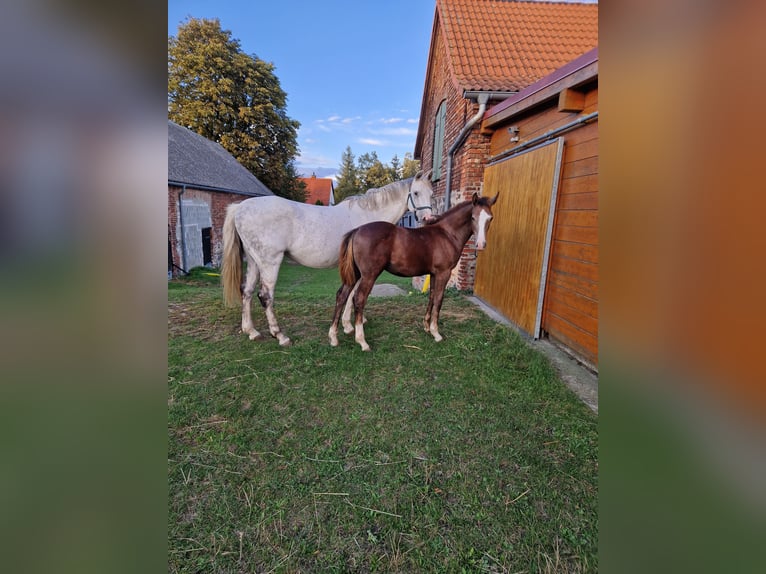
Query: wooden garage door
(511, 272)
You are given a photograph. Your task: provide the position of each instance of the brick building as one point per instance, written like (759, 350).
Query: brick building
(482, 52)
(203, 179)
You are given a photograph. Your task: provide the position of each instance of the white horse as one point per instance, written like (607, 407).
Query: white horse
(268, 228)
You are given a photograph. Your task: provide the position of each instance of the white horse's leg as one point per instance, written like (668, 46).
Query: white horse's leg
(348, 328)
(251, 278)
(266, 295)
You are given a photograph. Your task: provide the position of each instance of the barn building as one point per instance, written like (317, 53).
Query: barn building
(540, 269)
(203, 179)
(482, 52)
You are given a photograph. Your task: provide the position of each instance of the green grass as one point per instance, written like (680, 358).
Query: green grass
(462, 456)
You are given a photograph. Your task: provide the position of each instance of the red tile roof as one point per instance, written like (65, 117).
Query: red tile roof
(506, 45)
(318, 189)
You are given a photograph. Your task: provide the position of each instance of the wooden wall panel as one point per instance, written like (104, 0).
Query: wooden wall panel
(571, 301)
(570, 336)
(580, 184)
(570, 309)
(509, 271)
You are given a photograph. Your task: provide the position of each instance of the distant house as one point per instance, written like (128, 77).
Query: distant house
(482, 52)
(203, 179)
(319, 190)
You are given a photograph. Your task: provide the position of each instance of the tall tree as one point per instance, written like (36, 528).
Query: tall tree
(410, 166)
(348, 183)
(234, 99)
(371, 171)
(396, 168)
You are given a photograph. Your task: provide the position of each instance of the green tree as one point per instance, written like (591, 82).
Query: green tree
(371, 171)
(292, 186)
(234, 99)
(348, 182)
(410, 166)
(396, 168)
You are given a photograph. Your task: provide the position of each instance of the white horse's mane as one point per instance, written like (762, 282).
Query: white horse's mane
(378, 197)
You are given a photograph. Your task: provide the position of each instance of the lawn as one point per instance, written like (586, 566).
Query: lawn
(467, 455)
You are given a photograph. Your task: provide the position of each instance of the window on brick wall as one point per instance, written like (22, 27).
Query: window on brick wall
(439, 124)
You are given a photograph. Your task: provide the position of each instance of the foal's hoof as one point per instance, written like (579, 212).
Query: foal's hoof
(255, 337)
(285, 342)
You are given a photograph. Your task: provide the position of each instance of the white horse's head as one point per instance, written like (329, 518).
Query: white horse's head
(420, 195)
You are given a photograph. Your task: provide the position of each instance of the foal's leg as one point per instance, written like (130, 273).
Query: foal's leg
(251, 278)
(269, 274)
(347, 326)
(342, 299)
(363, 288)
(427, 318)
(438, 284)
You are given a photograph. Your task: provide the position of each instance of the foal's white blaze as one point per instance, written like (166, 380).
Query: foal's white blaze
(481, 239)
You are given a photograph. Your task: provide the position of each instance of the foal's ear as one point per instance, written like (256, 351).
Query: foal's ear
(475, 198)
(492, 201)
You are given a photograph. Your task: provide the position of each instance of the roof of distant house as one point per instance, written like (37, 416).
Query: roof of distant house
(199, 162)
(318, 189)
(505, 46)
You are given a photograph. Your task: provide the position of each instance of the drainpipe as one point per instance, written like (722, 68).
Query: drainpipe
(181, 220)
(482, 98)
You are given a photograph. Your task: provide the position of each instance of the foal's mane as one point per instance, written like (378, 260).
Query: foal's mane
(378, 197)
(468, 204)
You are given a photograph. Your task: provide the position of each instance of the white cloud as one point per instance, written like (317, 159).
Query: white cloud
(370, 141)
(391, 120)
(395, 132)
(308, 160)
(333, 118)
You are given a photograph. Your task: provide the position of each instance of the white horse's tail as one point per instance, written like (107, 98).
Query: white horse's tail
(231, 266)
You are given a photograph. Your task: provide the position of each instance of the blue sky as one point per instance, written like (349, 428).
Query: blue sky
(353, 70)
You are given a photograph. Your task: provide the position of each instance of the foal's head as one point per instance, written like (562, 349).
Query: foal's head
(481, 217)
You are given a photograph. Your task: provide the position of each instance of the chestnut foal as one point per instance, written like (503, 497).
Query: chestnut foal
(434, 248)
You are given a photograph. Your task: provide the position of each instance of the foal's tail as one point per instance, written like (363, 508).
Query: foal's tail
(231, 266)
(349, 272)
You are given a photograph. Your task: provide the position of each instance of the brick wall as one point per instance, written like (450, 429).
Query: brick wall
(469, 159)
(201, 208)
